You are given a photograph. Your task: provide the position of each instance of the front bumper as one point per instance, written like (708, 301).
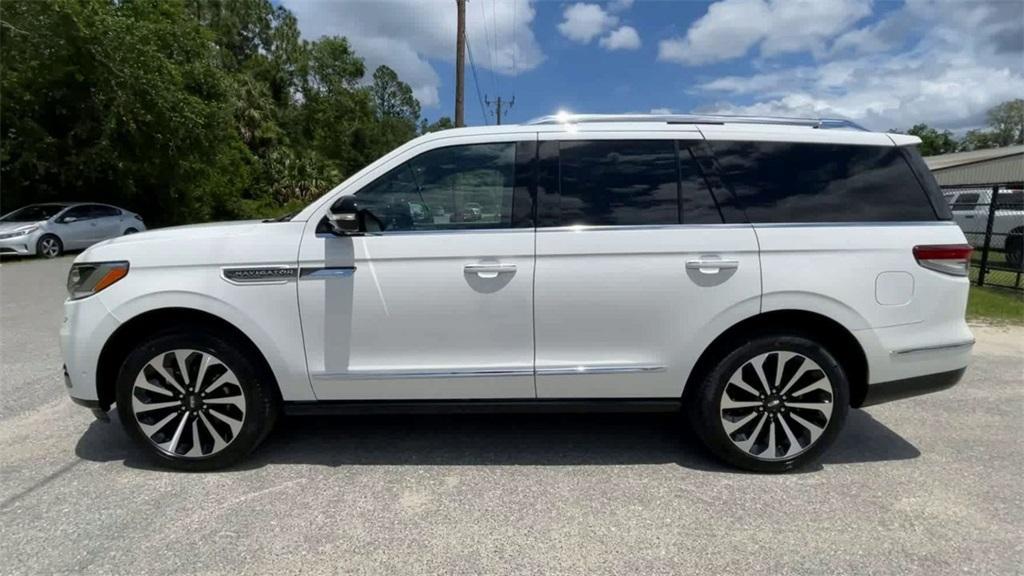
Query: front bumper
(881, 392)
(19, 245)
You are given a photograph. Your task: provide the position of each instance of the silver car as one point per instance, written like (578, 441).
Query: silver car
(50, 229)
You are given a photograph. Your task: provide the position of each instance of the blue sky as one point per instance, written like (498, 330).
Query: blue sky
(884, 64)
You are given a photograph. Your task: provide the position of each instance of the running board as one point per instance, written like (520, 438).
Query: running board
(481, 406)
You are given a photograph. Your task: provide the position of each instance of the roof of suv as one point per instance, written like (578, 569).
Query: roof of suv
(712, 127)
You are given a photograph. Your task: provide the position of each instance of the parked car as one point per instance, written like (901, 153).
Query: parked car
(49, 229)
(970, 210)
(761, 275)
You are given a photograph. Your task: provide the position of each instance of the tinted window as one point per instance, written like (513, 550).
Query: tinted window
(699, 207)
(965, 201)
(611, 182)
(1010, 199)
(80, 212)
(457, 187)
(33, 213)
(100, 211)
(793, 182)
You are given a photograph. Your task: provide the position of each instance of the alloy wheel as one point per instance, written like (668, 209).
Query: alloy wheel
(50, 247)
(777, 405)
(188, 403)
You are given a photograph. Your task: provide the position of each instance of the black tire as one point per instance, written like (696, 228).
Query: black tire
(1015, 250)
(49, 246)
(707, 414)
(130, 231)
(256, 387)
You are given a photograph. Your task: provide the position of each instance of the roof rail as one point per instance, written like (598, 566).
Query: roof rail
(830, 123)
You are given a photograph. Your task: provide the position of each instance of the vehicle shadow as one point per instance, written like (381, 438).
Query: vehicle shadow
(498, 440)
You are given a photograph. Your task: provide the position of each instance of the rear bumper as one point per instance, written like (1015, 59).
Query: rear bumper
(881, 392)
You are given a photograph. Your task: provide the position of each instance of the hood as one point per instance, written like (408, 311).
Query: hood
(8, 227)
(200, 244)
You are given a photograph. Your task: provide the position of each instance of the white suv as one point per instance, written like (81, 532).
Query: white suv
(764, 275)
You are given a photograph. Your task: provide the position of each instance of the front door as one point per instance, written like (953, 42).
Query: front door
(636, 268)
(436, 302)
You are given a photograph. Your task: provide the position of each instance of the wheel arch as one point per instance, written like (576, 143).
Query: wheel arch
(123, 339)
(831, 334)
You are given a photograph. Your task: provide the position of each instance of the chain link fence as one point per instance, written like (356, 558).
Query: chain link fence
(992, 218)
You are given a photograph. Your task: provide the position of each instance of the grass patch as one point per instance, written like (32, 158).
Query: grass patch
(995, 305)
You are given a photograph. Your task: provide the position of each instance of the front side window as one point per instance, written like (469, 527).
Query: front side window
(798, 182)
(618, 182)
(453, 188)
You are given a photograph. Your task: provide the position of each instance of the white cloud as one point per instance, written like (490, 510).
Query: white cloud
(941, 63)
(407, 34)
(731, 28)
(584, 22)
(624, 38)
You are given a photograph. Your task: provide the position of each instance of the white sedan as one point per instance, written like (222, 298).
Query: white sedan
(49, 229)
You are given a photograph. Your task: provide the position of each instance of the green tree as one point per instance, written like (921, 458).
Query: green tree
(185, 110)
(934, 142)
(122, 102)
(1007, 123)
(442, 123)
(392, 97)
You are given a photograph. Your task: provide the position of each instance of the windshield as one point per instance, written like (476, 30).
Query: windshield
(33, 213)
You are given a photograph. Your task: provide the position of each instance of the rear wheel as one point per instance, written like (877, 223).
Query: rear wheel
(194, 401)
(1015, 250)
(49, 246)
(130, 231)
(773, 404)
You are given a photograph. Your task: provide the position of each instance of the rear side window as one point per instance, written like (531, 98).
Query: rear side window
(618, 182)
(798, 182)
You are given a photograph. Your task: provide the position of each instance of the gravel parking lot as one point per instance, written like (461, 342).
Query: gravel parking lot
(927, 486)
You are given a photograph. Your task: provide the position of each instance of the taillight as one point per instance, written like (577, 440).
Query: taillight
(954, 259)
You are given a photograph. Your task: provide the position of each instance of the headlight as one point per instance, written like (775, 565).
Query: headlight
(88, 279)
(22, 232)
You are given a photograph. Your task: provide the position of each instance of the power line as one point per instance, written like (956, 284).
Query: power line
(476, 82)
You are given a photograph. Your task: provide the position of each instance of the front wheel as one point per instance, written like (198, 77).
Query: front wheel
(49, 246)
(773, 404)
(194, 401)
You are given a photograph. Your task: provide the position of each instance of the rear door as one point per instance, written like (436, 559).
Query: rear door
(636, 269)
(108, 221)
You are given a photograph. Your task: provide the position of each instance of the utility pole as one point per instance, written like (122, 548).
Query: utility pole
(498, 106)
(460, 63)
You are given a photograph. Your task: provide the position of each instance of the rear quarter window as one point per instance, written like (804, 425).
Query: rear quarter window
(779, 182)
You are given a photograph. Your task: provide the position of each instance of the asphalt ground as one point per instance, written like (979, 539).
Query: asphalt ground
(931, 485)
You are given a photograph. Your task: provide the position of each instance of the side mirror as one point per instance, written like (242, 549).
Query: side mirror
(68, 220)
(346, 218)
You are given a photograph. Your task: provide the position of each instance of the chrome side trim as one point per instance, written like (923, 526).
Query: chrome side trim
(246, 275)
(851, 224)
(589, 228)
(431, 232)
(315, 273)
(415, 373)
(607, 369)
(953, 346)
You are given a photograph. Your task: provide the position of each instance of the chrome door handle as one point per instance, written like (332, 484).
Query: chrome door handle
(712, 265)
(489, 270)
